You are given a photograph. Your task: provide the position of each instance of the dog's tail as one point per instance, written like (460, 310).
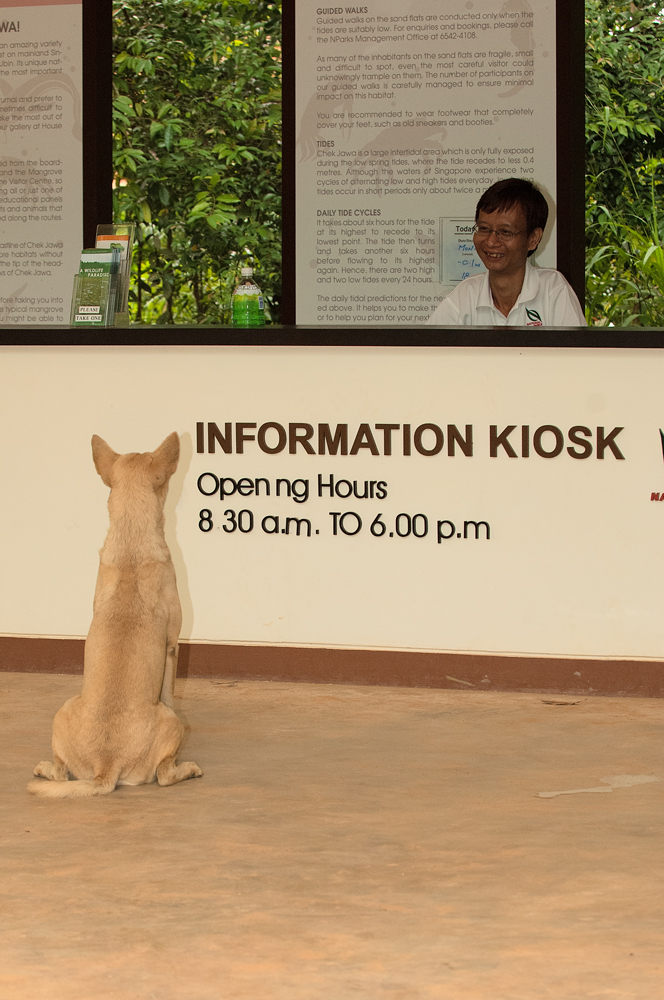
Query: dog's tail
(73, 789)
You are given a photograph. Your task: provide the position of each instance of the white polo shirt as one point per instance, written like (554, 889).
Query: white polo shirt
(546, 299)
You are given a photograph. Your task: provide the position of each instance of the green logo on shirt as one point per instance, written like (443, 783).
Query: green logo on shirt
(534, 317)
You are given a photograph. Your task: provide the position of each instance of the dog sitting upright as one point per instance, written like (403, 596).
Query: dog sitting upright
(121, 729)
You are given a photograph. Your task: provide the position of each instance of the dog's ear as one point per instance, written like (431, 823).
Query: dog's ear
(104, 458)
(165, 457)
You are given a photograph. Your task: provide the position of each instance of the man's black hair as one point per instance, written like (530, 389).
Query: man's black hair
(504, 195)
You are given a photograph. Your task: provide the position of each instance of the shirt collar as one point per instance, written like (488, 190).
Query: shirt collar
(528, 292)
(485, 298)
(530, 286)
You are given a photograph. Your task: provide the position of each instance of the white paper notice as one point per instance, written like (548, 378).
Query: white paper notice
(407, 111)
(41, 187)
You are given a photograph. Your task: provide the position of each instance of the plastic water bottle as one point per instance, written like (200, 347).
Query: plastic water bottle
(247, 304)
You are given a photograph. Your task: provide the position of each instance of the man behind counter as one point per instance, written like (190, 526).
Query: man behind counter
(509, 224)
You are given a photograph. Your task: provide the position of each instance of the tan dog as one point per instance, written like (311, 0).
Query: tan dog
(121, 729)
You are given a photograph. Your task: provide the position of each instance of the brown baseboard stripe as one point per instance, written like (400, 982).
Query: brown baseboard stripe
(464, 671)
(41, 656)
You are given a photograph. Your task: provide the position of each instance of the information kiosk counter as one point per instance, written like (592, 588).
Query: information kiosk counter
(402, 506)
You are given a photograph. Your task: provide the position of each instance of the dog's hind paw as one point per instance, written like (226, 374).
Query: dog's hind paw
(44, 769)
(169, 773)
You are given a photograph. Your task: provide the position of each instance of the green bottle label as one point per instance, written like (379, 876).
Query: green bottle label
(247, 307)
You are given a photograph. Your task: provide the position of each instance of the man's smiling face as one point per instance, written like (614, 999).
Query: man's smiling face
(505, 249)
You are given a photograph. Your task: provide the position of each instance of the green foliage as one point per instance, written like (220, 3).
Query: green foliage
(624, 162)
(197, 156)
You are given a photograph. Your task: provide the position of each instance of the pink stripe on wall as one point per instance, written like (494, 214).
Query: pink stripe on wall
(39, 3)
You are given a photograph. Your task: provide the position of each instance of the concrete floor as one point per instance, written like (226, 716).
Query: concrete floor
(344, 843)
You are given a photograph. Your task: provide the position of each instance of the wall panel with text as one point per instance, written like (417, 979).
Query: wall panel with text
(494, 500)
(55, 150)
(404, 113)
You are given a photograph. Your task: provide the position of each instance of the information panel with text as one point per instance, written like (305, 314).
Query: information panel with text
(407, 110)
(41, 159)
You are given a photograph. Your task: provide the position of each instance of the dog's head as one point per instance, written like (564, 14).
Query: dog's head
(156, 466)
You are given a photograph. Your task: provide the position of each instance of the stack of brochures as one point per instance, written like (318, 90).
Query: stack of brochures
(120, 235)
(101, 287)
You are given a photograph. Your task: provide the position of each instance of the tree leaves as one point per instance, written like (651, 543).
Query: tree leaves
(197, 150)
(624, 161)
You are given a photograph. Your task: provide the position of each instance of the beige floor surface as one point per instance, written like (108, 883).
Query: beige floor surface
(345, 843)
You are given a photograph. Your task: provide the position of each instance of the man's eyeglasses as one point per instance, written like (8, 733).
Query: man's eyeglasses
(506, 235)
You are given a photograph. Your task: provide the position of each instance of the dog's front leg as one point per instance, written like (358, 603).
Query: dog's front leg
(170, 773)
(170, 670)
(168, 738)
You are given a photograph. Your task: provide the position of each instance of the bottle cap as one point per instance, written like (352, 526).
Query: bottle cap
(247, 272)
